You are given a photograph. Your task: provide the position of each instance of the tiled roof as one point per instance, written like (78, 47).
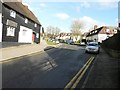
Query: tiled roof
(22, 9)
(102, 30)
(93, 32)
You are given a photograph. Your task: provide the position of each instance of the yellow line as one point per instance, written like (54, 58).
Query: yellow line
(79, 78)
(75, 77)
(10, 60)
(20, 57)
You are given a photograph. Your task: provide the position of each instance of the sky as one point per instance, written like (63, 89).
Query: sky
(61, 13)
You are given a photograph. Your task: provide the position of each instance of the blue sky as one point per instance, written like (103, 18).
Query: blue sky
(61, 14)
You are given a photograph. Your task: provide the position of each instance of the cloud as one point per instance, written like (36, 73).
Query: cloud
(78, 8)
(62, 16)
(108, 3)
(85, 4)
(89, 23)
(116, 19)
(65, 0)
(42, 5)
(26, 4)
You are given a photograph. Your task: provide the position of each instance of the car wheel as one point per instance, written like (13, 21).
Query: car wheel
(98, 52)
(86, 51)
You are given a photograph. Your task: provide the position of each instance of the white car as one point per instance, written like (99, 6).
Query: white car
(57, 42)
(92, 47)
(82, 44)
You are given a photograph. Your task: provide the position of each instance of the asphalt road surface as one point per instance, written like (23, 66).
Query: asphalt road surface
(49, 69)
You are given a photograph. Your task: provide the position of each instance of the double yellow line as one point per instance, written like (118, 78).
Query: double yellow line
(76, 79)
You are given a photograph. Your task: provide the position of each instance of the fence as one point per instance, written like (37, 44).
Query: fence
(112, 45)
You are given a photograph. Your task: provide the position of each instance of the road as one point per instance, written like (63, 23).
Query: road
(49, 69)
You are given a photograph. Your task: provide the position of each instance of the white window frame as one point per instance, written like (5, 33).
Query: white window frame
(10, 31)
(107, 30)
(115, 31)
(12, 13)
(35, 25)
(37, 35)
(26, 20)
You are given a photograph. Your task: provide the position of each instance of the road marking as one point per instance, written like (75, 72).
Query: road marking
(20, 57)
(76, 76)
(86, 79)
(10, 60)
(79, 78)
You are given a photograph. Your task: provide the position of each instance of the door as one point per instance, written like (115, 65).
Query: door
(25, 35)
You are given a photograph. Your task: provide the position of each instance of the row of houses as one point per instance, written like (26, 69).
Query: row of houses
(100, 34)
(18, 23)
(67, 36)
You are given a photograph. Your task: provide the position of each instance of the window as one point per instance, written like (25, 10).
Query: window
(26, 20)
(12, 13)
(10, 31)
(37, 35)
(107, 30)
(95, 31)
(115, 31)
(35, 25)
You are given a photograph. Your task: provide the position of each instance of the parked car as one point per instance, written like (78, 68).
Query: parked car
(61, 41)
(70, 42)
(57, 42)
(82, 43)
(92, 47)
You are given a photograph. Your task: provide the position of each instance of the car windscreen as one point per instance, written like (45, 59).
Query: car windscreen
(92, 44)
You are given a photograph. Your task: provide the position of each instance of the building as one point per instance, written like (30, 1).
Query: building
(42, 34)
(100, 34)
(19, 24)
(0, 21)
(64, 36)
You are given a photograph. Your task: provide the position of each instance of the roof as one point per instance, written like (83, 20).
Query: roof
(22, 9)
(93, 32)
(102, 30)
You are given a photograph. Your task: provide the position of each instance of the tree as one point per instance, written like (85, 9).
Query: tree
(57, 31)
(52, 32)
(76, 28)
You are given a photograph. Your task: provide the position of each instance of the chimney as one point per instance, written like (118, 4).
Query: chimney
(95, 27)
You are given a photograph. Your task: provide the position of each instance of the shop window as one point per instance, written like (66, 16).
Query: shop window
(10, 31)
(12, 13)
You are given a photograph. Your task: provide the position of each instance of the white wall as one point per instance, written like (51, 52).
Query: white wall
(0, 27)
(78, 38)
(25, 35)
(102, 37)
(93, 37)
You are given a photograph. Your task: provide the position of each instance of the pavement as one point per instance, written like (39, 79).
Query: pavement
(21, 50)
(104, 72)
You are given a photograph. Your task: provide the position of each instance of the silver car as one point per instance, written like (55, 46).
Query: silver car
(92, 47)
